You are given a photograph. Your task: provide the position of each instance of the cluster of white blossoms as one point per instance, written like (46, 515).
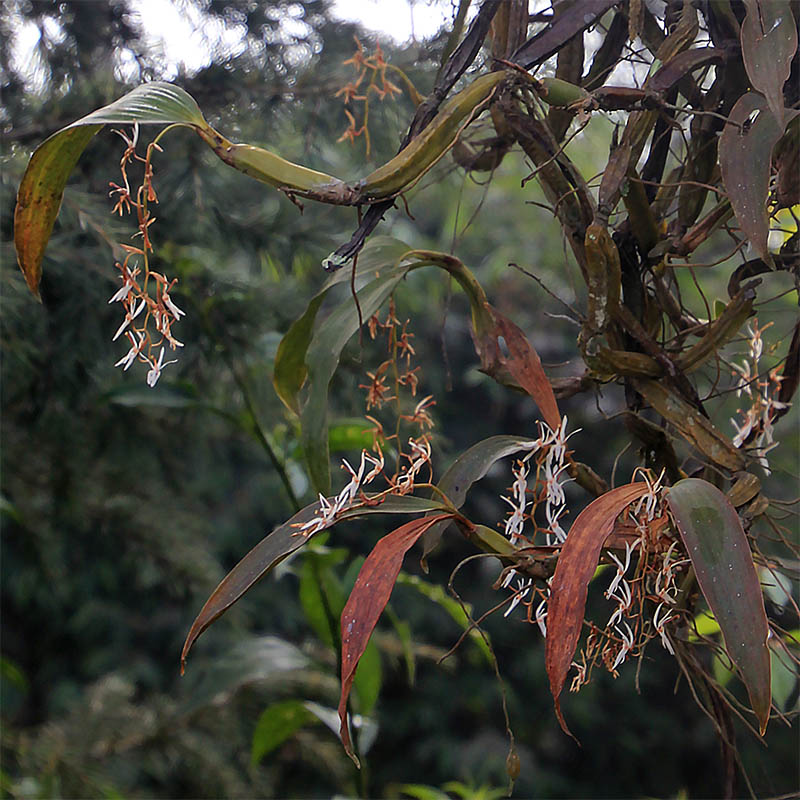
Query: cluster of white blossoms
(329, 510)
(136, 300)
(757, 419)
(553, 445)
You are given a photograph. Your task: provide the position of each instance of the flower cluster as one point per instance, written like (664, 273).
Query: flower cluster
(643, 588)
(646, 558)
(549, 452)
(329, 510)
(360, 87)
(756, 421)
(150, 311)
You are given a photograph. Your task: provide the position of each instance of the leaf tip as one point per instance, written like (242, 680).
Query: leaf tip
(562, 722)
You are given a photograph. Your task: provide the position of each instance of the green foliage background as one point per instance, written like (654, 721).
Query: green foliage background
(123, 507)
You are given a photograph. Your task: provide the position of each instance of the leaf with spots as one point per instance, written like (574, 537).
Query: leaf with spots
(524, 364)
(577, 563)
(369, 597)
(745, 155)
(717, 545)
(769, 42)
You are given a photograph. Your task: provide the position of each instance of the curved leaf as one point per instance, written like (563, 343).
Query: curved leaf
(324, 352)
(525, 366)
(370, 594)
(745, 155)
(290, 372)
(274, 548)
(717, 545)
(276, 724)
(42, 186)
(469, 467)
(576, 566)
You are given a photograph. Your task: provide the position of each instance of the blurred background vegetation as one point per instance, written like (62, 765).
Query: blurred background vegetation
(122, 507)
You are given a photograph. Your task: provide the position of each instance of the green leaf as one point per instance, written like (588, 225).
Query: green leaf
(450, 605)
(323, 358)
(276, 724)
(717, 545)
(403, 631)
(42, 186)
(784, 677)
(290, 372)
(723, 669)
(321, 593)
(368, 679)
(705, 625)
(420, 791)
(350, 434)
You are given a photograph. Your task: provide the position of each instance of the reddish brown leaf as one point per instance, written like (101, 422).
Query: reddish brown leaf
(525, 366)
(560, 31)
(745, 154)
(576, 566)
(769, 42)
(682, 64)
(279, 544)
(791, 373)
(369, 597)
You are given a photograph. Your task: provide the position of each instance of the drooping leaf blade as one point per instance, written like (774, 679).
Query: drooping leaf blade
(267, 554)
(526, 368)
(576, 566)
(323, 357)
(370, 594)
(380, 254)
(290, 369)
(769, 42)
(717, 545)
(274, 548)
(42, 186)
(745, 156)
